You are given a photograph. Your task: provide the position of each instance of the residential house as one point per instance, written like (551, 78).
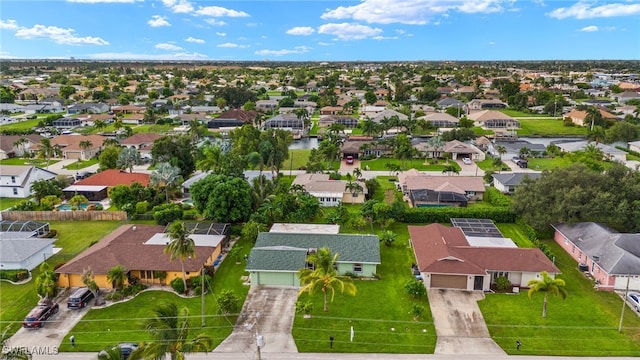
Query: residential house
(266, 105)
(233, 118)
(186, 119)
(143, 142)
(579, 117)
(412, 181)
(276, 258)
(287, 122)
(625, 96)
(95, 187)
(389, 114)
(16, 180)
(491, 119)
(611, 258)
(448, 102)
(11, 108)
(12, 145)
(330, 192)
(330, 110)
(608, 151)
(140, 250)
(441, 120)
(508, 182)
(448, 259)
(129, 109)
(363, 146)
(87, 108)
(205, 109)
(349, 122)
(71, 146)
(23, 244)
(67, 123)
(134, 119)
(484, 104)
(370, 111)
(90, 120)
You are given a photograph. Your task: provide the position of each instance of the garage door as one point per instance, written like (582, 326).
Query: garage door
(276, 278)
(449, 281)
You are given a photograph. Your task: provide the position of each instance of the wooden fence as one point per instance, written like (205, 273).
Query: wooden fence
(80, 215)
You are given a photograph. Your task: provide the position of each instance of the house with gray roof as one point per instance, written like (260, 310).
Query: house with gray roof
(16, 180)
(508, 182)
(277, 257)
(610, 257)
(609, 151)
(22, 245)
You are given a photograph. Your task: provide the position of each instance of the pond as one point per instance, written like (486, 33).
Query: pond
(305, 143)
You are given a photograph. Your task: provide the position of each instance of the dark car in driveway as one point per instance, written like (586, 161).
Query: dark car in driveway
(39, 315)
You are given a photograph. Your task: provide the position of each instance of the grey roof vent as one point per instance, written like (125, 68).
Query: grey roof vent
(596, 258)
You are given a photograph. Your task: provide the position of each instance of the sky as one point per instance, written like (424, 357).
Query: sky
(329, 30)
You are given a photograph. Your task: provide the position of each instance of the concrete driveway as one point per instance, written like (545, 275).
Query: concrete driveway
(268, 311)
(49, 337)
(459, 324)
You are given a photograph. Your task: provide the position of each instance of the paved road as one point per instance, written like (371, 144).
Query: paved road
(268, 311)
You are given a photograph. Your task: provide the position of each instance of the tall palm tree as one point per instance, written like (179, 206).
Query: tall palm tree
(354, 188)
(86, 145)
(165, 175)
(181, 246)
(48, 150)
(501, 150)
(100, 125)
(128, 158)
(15, 353)
(547, 285)
(169, 328)
(324, 276)
(21, 144)
(213, 159)
(370, 127)
(117, 276)
(357, 173)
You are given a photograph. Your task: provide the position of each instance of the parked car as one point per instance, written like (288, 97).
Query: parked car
(80, 298)
(349, 160)
(126, 349)
(634, 300)
(39, 315)
(467, 161)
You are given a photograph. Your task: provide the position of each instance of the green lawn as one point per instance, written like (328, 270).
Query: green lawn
(549, 163)
(379, 313)
(152, 128)
(585, 324)
(26, 161)
(82, 164)
(73, 237)
(516, 113)
(546, 127)
(123, 322)
(297, 158)
(6, 203)
(513, 232)
(487, 165)
(22, 125)
(418, 164)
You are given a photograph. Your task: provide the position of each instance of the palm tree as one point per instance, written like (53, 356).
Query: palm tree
(181, 246)
(354, 188)
(165, 175)
(213, 159)
(21, 143)
(86, 145)
(47, 150)
(117, 276)
(128, 158)
(370, 127)
(15, 353)
(324, 276)
(450, 169)
(110, 142)
(170, 331)
(46, 285)
(547, 285)
(357, 173)
(501, 150)
(100, 125)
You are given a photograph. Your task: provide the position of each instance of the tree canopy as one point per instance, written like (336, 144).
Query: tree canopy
(222, 198)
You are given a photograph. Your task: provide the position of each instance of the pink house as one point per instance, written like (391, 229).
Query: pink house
(610, 257)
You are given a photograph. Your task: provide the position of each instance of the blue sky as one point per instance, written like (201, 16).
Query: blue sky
(330, 30)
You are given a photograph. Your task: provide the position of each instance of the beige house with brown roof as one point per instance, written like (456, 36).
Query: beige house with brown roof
(578, 117)
(71, 148)
(491, 119)
(413, 183)
(331, 192)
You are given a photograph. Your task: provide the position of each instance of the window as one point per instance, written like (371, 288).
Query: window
(146, 274)
(15, 191)
(573, 249)
(357, 268)
(498, 274)
(13, 179)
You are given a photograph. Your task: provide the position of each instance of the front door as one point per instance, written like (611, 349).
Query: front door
(478, 283)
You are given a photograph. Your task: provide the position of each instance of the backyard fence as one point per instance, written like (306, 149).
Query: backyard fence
(79, 215)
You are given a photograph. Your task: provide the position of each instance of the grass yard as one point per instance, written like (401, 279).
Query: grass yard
(379, 313)
(516, 113)
(21, 126)
(514, 232)
(546, 127)
(123, 322)
(152, 128)
(82, 164)
(73, 237)
(585, 324)
(297, 158)
(6, 203)
(25, 161)
(418, 164)
(549, 163)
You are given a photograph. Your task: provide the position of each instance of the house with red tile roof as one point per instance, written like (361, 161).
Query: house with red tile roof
(448, 259)
(95, 187)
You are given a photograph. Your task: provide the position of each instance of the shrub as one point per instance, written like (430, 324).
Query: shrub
(304, 307)
(115, 296)
(142, 207)
(190, 214)
(167, 213)
(416, 311)
(415, 288)
(51, 234)
(502, 283)
(13, 275)
(352, 275)
(497, 198)
(177, 285)
(195, 283)
(443, 215)
(227, 302)
(22, 274)
(133, 289)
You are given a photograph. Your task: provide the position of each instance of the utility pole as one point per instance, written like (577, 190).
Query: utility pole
(624, 303)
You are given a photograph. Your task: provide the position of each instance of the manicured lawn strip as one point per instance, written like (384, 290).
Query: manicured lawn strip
(549, 163)
(481, 132)
(25, 161)
(123, 322)
(418, 164)
(297, 157)
(549, 127)
(585, 324)
(514, 232)
(152, 128)
(22, 125)
(81, 164)
(6, 203)
(379, 306)
(516, 113)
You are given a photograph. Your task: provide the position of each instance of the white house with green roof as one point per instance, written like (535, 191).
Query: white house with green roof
(277, 257)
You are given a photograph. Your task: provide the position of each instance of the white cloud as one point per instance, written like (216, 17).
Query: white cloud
(232, 45)
(168, 47)
(385, 38)
(346, 31)
(194, 40)
(132, 56)
(101, 1)
(217, 11)
(325, 43)
(178, 6)
(8, 24)
(587, 10)
(296, 50)
(301, 30)
(591, 28)
(215, 22)
(158, 21)
(412, 12)
(58, 35)
(221, 34)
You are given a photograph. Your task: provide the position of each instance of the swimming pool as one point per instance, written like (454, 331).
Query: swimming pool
(67, 207)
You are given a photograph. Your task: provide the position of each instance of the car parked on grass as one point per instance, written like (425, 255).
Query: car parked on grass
(126, 348)
(634, 300)
(39, 315)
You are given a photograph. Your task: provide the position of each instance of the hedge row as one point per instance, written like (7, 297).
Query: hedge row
(497, 198)
(14, 275)
(443, 215)
(533, 236)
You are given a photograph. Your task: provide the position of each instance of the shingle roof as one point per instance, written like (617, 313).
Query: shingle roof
(282, 258)
(113, 177)
(514, 179)
(21, 249)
